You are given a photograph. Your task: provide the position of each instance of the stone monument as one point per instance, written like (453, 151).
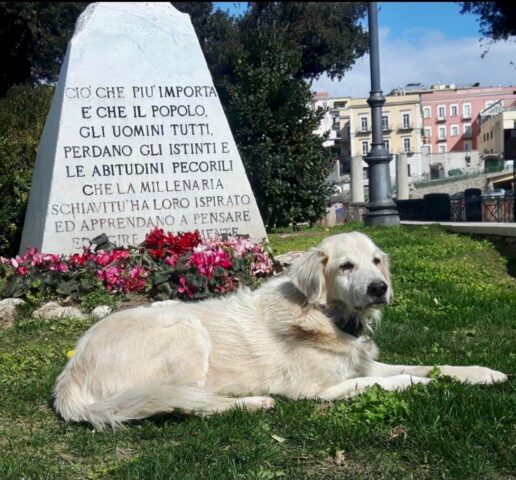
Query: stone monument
(136, 138)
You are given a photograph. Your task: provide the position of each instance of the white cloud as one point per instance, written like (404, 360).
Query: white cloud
(430, 57)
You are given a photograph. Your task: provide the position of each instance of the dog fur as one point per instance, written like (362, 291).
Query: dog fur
(298, 336)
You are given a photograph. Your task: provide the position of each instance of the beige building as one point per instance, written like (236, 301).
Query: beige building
(496, 126)
(401, 122)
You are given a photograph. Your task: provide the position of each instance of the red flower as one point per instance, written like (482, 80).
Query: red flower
(22, 271)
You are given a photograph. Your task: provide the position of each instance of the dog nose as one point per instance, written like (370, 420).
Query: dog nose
(377, 289)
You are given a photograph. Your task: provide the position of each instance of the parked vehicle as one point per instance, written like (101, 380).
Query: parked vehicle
(497, 192)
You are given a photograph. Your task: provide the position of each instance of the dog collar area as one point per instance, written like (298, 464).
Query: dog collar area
(351, 325)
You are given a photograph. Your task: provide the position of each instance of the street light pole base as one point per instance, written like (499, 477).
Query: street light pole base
(382, 218)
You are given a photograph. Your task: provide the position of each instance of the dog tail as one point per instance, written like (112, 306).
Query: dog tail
(139, 402)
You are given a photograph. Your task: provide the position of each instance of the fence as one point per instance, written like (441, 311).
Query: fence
(435, 207)
(466, 208)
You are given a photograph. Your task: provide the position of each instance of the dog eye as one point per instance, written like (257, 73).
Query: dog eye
(377, 261)
(347, 266)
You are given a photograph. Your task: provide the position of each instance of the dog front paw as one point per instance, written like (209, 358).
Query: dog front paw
(474, 375)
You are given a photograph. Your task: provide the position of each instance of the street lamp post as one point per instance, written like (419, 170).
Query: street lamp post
(381, 210)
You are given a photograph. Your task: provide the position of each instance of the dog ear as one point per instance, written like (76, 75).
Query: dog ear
(386, 271)
(307, 274)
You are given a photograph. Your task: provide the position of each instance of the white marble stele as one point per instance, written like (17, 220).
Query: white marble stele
(136, 138)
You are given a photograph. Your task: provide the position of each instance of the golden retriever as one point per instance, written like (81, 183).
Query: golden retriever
(300, 335)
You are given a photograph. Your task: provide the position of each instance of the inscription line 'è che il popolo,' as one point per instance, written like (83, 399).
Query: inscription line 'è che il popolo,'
(136, 138)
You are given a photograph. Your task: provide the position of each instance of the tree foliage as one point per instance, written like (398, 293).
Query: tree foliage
(497, 19)
(22, 116)
(33, 39)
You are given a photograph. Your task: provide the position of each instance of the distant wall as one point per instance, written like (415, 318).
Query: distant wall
(451, 187)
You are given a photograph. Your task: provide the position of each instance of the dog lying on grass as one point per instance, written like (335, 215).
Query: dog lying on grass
(298, 336)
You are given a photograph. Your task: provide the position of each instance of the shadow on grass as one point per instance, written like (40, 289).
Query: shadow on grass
(506, 247)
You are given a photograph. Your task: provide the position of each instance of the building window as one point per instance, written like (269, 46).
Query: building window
(428, 133)
(467, 130)
(385, 122)
(491, 134)
(454, 110)
(408, 170)
(466, 110)
(467, 146)
(427, 112)
(363, 124)
(442, 148)
(365, 148)
(442, 133)
(406, 145)
(386, 144)
(441, 112)
(454, 130)
(488, 103)
(406, 120)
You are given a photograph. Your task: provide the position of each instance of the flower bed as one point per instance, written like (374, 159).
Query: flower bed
(166, 265)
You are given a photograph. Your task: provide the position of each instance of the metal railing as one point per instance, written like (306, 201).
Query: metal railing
(483, 209)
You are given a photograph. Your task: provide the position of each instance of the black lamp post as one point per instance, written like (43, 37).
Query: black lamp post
(381, 210)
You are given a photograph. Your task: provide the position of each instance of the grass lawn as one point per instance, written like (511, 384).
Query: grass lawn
(454, 303)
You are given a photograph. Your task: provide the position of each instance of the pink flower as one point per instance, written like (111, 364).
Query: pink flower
(172, 260)
(102, 258)
(207, 260)
(184, 288)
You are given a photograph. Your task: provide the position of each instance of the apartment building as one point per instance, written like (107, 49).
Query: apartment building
(451, 121)
(497, 133)
(401, 125)
(331, 120)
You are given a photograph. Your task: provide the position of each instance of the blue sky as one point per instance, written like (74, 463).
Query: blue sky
(425, 42)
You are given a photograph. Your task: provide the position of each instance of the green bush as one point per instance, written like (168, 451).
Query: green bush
(22, 116)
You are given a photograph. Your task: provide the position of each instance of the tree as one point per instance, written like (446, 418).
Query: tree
(327, 35)
(263, 74)
(273, 125)
(33, 39)
(497, 19)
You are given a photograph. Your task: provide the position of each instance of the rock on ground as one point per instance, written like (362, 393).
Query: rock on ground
(53, 310)
(8, 311)
(101, 311)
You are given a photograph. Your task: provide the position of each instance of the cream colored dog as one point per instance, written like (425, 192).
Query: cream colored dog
(298, 336)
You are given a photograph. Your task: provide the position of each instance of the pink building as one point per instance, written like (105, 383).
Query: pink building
(451, 115)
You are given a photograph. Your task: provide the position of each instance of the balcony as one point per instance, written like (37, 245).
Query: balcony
(386, 128)
(363, 130)
(441, 138)
(406, 126)
(468, 134)
(466, 116)
(441, 118)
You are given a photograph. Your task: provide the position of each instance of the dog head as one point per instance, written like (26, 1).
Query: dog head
(347, 269)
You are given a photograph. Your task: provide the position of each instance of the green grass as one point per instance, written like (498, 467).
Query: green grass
(455, 304)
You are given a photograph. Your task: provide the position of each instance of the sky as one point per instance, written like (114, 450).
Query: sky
(422, 42)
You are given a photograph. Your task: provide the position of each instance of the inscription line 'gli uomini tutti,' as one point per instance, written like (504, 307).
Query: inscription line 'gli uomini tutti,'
(125, 148)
